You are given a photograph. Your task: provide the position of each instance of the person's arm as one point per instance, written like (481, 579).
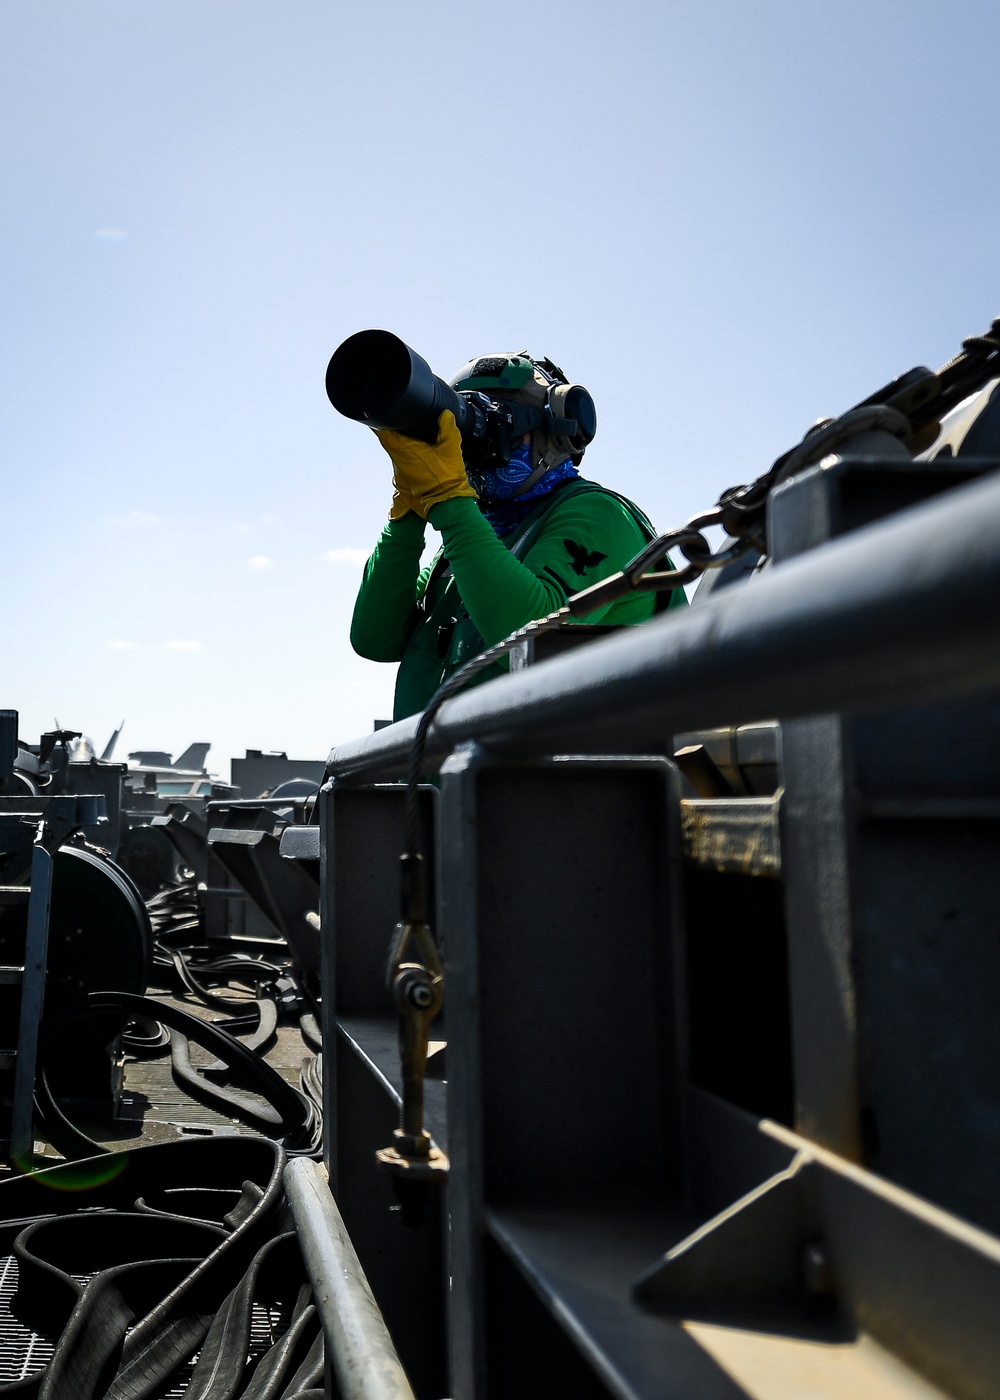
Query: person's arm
(384, 612)
(591, 536)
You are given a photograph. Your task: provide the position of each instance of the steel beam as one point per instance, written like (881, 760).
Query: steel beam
(897, 612)
(36, 952)
(362, 833)
(563, 968)
(889, 828)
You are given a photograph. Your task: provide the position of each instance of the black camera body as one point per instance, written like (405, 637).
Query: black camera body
(375, 378)
(492, 430)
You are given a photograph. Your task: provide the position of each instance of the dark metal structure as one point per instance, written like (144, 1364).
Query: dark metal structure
(712, 1110)
(717, 1069)
(258, 774)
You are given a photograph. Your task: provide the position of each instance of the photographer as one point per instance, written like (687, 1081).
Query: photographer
(518, 537)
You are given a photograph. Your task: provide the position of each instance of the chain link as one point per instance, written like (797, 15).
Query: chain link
(740, 511)
(902, 408)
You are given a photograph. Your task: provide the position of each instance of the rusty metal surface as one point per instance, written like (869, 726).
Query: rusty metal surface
(737, 836)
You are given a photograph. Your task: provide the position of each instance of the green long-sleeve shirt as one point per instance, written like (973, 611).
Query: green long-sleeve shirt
(433, 621)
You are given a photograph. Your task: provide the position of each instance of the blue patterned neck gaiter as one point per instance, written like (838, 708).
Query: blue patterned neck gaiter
(496, 487)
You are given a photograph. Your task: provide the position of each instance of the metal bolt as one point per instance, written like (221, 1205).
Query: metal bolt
(817, 1273)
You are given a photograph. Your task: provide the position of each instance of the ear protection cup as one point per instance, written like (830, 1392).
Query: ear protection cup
(574, 401)
(538, 384)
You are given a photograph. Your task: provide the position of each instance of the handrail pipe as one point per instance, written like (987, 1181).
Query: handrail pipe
(361, 1351)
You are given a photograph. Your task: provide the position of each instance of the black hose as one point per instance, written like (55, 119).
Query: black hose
(144, 1036)
(295, 1117)
(224, 969)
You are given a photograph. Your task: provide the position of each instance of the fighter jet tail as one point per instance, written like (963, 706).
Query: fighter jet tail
(109, 747)
(192, 760)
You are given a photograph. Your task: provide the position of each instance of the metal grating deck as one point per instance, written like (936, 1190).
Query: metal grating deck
(24, 1353)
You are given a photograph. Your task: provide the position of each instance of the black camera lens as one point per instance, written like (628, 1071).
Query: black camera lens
(375, 378)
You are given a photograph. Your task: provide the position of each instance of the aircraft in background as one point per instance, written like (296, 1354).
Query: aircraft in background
(152, 770)
(155, 771)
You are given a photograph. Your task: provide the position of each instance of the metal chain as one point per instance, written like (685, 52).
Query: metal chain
(912, 403)
(638, 576)
(899, 408)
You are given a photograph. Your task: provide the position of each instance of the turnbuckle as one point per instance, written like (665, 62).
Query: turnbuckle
(415, 983)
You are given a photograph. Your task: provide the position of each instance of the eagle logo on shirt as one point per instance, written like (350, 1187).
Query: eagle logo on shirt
(582, 559)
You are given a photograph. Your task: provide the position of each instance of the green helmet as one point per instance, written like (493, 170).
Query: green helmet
(539, 384)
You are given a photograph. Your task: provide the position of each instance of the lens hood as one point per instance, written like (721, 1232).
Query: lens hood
(375, 378)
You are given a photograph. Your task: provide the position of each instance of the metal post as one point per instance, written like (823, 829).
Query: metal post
(328, 993)
(36, 945)
(890, 826)
(362, 1352)
(362, 834)
(8, 744)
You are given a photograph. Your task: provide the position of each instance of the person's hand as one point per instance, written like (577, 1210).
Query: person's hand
(428, 472)
(403, 503)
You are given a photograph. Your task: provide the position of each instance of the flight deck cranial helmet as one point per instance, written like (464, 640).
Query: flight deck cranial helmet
(565, 417)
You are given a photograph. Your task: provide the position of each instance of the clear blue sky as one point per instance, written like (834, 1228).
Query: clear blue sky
(726, 218)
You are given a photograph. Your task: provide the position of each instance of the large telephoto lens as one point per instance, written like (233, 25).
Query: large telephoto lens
(375, 378)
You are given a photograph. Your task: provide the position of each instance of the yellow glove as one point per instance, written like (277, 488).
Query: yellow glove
(429, 472)
(403, 503)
